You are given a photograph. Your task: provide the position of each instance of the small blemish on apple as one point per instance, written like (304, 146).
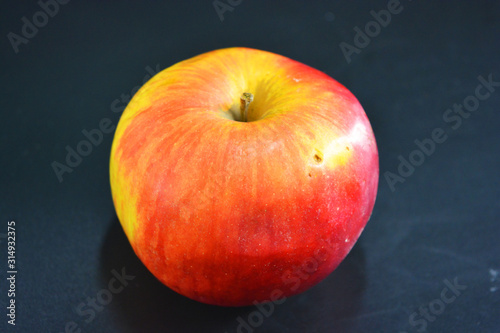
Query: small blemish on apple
(318, 156)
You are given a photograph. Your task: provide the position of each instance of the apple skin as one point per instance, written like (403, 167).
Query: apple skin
(233, 213)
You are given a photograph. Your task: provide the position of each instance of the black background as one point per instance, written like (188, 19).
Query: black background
(440, 224)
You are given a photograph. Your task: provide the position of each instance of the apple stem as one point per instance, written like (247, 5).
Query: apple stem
(245, 100)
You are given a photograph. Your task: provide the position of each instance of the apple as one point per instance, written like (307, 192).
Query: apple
(242, 176)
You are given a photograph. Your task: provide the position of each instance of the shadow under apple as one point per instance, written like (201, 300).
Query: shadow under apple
(146, 305)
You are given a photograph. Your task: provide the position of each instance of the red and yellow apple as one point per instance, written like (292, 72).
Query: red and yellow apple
(233, 169)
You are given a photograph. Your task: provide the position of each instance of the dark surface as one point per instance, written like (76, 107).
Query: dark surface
(440, 224)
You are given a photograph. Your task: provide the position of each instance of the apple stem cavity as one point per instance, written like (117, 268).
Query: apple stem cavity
(245, 100)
